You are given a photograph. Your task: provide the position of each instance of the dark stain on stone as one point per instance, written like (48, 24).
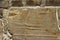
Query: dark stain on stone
(1, 13)
(17, 3)
(12, 14)
(59, 17)
(53, 3)
(30, 3)
(54, 33)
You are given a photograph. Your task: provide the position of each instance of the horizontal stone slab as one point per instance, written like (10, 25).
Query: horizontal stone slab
(33, 22)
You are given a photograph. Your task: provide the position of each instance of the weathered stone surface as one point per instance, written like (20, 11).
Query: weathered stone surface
(20, 3)
(33, 2)
(1, 36)
(40, 38)
(33, 22)
(4, 4)
(19, 37)
(1, 31)
(29, 23)
(1, 13)
(17, 3)
(59, 16)
(53, 2)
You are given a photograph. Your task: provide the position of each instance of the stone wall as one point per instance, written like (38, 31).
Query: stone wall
(37, 23)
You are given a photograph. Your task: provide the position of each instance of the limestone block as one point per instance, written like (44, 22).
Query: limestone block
(33, 22)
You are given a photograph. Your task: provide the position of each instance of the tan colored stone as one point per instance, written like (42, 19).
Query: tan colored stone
(19, 37)
(33, 22)
(40, 38)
